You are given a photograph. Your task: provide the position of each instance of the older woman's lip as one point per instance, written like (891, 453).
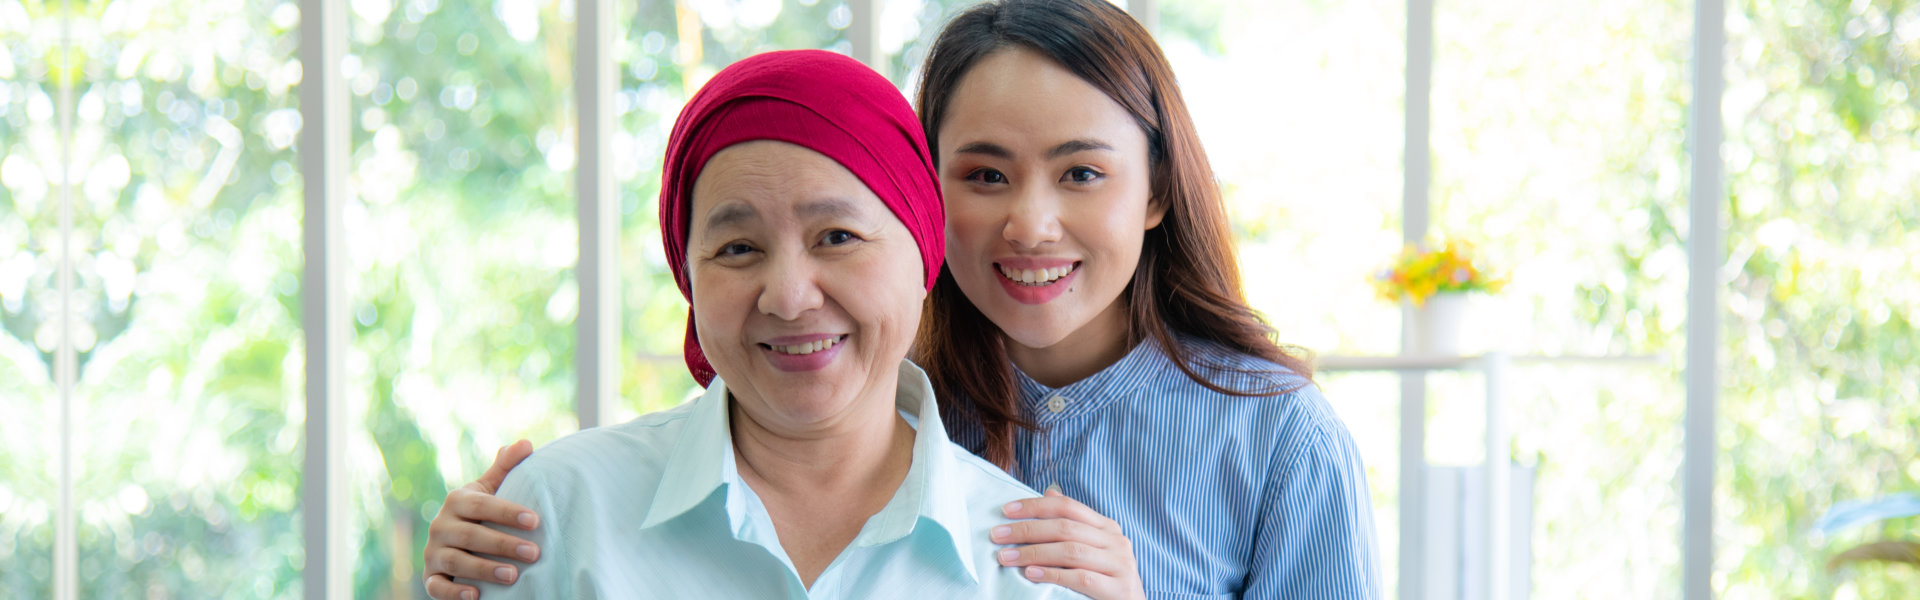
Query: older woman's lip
(795, 340)
(803, 356)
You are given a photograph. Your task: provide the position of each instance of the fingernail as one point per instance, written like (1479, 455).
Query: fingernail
(1034, 573)
(1011, 507)
(466, 595)
(1001, 532)
(528, 520)
(526, 551)
(1007, 556)
(504, 574)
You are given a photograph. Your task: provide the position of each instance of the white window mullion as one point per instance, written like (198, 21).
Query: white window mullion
(1414, 206)
(323, 319)
(66, 553)
(1705, 135)
(597, 358)
(863, 34)
(1147, 12)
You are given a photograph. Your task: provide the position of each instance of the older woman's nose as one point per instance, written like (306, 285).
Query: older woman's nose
(791, 289)
(1033, 219)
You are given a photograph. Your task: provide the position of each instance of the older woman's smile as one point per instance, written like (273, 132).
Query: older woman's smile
(802, 353)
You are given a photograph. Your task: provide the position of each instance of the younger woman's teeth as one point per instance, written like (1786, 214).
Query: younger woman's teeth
(805, 349)
(1035, 276)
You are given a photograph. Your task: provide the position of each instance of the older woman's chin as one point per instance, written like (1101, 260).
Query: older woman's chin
(809, 397)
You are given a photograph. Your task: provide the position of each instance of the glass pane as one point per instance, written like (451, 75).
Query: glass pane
(1821, 373)
(29, 237)
(1559, 152)
(1305, 174)
(907, 30)
(666, 50)
(187, 229)
(461, 242)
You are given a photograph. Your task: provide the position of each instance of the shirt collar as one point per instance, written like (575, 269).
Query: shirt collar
(1145, 362)
(933, 490)
(700, 461)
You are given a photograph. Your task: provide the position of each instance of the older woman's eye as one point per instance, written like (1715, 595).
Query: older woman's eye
(735, 249)
(838, 237)
(987, 176)
(1083, 175)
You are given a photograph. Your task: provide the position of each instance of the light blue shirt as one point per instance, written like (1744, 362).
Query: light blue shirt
(655, 508)
(1222, 496)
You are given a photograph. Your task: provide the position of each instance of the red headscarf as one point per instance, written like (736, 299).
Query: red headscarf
(819, 100)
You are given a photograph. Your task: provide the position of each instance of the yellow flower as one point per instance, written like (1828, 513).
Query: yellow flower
(1416, 274)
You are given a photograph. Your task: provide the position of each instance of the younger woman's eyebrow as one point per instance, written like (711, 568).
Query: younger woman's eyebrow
(1079, 145)
(1065, 148)
(986, 148)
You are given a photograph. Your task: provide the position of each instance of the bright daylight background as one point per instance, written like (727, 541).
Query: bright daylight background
(1558, 131)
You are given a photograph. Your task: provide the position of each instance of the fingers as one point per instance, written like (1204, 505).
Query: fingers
(1052, 531)
(1087, 583)
(483, 507)
(503, 461)
(1055, 505)
(474, 538)
(440, 587)
(457, 563)
(1071, 555)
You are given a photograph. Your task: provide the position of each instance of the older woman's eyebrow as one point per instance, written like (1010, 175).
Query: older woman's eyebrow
(827, 207)
(731, 215)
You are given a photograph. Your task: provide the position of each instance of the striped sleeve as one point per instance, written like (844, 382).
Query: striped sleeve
(1315, 536)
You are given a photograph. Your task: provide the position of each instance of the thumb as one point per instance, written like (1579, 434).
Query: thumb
(503, 461)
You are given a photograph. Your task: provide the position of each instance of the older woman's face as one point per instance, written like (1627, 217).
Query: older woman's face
(806, 289)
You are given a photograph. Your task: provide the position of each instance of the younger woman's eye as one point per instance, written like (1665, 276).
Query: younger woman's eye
(988, 176)
(1082, 175)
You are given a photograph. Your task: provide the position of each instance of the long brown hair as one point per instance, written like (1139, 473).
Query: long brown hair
(1188, 279)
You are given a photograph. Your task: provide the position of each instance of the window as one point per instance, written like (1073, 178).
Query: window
(157, 140)
(174, 158)
(29, 233)
(1559, 148)
(1822, 370)
(460, 246)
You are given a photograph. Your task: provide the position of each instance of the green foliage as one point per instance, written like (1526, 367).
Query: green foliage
(1571, 155)
(1822, 366)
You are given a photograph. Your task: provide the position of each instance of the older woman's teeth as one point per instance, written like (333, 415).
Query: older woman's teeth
(805, 349)
(1036, 276)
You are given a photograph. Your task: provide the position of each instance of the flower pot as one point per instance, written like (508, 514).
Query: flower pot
(1438, 323)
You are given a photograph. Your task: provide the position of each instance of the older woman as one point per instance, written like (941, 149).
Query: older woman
(802, 219)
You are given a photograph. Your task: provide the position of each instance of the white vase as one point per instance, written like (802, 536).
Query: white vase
(1438, 323)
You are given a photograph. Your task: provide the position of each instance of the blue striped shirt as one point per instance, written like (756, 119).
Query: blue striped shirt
(1222, 496)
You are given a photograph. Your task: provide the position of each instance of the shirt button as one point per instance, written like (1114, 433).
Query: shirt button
(1056, 404)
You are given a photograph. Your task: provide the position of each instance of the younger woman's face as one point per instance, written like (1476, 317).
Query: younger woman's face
(1047, 189)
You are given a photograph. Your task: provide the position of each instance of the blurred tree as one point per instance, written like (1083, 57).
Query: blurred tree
(29, 224)
(1822, 371)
